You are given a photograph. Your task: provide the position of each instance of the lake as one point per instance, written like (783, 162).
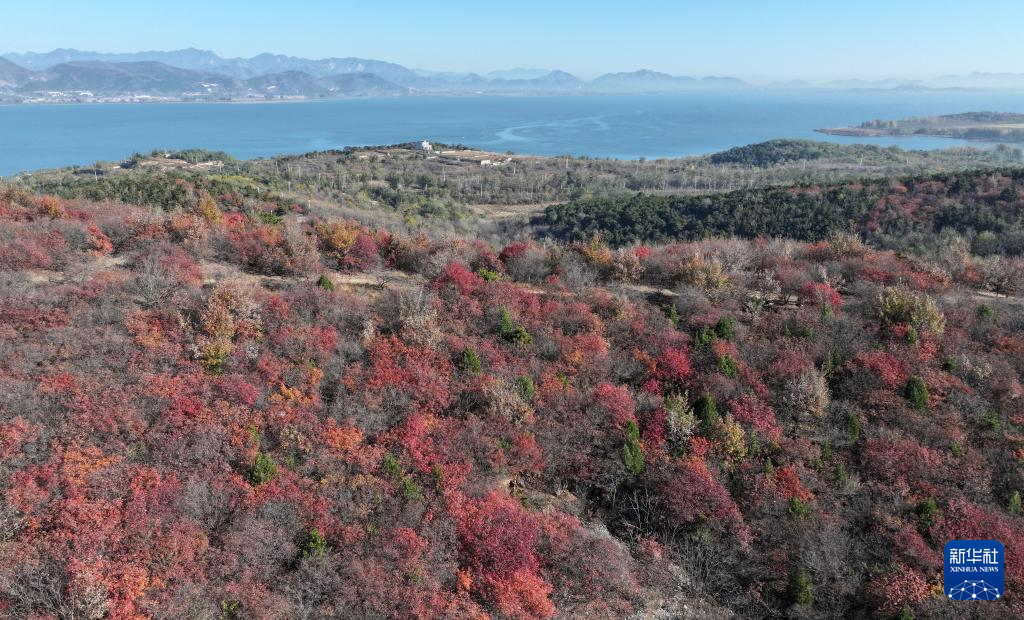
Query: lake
(627, 127)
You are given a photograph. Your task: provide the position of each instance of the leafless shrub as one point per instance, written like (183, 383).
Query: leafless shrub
(417, 317)
(807, 395)
(576, 274)
(530, 266)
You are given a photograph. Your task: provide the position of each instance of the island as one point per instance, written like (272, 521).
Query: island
(983, 126)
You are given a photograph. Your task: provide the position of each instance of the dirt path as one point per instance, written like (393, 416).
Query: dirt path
(215, 272)
(988, 296)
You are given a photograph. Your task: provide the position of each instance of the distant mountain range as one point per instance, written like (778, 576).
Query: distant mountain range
(646, 80)
(193, 74)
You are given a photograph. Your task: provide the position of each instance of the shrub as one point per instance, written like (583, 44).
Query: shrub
(927, 514)
(725, 328)
(881, 366)
(513, 332)
(206, 208)
(801, 588)
(822, 295)
(799, 508)
(674, 366)
(626, 266)
(693, 495)
(362, 254)
(391, 467)
(985, 312)
(470, 361)
(727, 366)
(896, 305)
(525, 387)
(898, 589)
(1014, 507)
(410, 490)
(264, 469)
(680, 418)
(703, 274)
(732, 438)
(632, 451)
(458, 277)
(273, 250)
(841, 476)
(337, 237)
(325, 283)
(499, 539)
(706, 411)
(214, 355)
(315, 545)
(705, 337)
(807, 394)
(756, 413)
(524, 263)
(488, 275)
(917, 393)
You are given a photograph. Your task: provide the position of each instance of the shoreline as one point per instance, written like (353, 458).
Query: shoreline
(497, 95)
(858, 132)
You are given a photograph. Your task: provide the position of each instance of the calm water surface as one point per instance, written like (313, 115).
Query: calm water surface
(629, 127)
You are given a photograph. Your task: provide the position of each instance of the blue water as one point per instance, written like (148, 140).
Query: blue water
(628, 127)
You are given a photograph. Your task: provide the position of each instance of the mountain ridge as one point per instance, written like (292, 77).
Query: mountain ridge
(70, 75)
(11, 73)
(35, 67)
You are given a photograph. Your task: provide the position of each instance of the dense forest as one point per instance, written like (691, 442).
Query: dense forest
(982, 208)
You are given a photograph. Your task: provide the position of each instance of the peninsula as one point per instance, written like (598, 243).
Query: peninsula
(983, 126)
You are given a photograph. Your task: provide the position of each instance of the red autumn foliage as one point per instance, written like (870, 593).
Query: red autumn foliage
(903, 463)
(753, 412)
(614, 400)
(691, 493)
(887, 369)
(172, 431)
(821, 295)
(498, 544)
(673, 366)
(458, 277)
(902, 587)
(787, 481)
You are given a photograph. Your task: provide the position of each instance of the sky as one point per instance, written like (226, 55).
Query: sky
(775, 39)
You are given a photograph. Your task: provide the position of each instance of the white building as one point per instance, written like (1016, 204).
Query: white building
(424, 146)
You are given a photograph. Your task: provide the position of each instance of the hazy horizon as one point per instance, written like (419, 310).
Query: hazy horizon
(746, 39)
(525, 67)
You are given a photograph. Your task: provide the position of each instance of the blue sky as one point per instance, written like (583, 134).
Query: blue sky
(748, 38)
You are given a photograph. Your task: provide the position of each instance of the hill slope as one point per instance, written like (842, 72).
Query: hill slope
(986, 208)
(257, 411)
(12, 74)
(128, 78)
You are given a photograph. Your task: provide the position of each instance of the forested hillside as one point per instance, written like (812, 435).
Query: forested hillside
(984, 208)
(236, 406)
(455, 184)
